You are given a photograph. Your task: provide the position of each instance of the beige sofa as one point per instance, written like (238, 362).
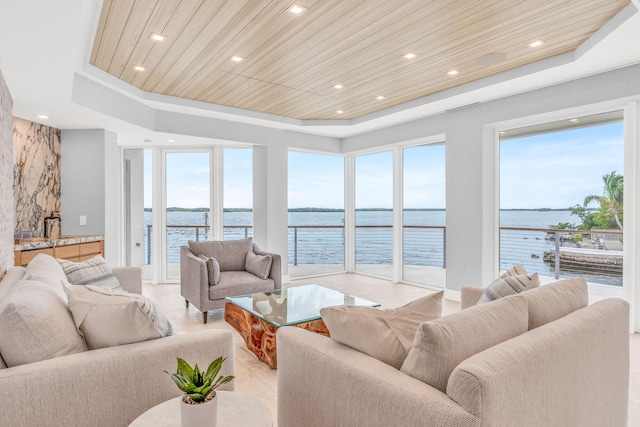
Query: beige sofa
(570, 368)
(234, 279)
(105, 387)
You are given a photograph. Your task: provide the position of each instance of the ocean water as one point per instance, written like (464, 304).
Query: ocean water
(422, 246)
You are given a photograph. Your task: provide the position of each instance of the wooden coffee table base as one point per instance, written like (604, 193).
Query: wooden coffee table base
(260, 336)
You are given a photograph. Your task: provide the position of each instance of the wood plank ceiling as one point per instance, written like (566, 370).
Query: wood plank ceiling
(291, 62)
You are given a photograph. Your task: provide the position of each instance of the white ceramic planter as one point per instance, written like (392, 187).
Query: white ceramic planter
(200, 415)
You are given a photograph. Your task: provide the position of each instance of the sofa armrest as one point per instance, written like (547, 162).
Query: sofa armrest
(106, 387)
(194, 279)
(323, 383)
(130, 278)
(573, 371)
(470, 295)
(276, 266)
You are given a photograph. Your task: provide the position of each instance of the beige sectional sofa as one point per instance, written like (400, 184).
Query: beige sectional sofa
(569, 367)
(104, 387)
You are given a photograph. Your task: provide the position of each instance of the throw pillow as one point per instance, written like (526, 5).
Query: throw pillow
(35, 324)
(516, 270)
(441, 344)
(46, 269)
(110, 317)
(386, 335)
(555, 300)
(213, 269)
(258, 265)
(508, 284)
(93, 271)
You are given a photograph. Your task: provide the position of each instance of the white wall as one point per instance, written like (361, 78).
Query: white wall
(7, 219)
(270, 205)
(90, 175)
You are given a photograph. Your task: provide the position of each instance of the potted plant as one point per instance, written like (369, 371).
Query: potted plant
(199, 406)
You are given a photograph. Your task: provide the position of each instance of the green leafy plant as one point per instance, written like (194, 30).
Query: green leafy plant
(198, 385)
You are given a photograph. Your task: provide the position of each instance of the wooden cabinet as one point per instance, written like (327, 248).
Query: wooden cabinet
(73, 252)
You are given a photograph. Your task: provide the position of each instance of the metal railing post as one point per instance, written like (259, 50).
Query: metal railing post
(197, 234)
(148, 244)
(557, 256)
(295, 246)
(444, 248)
(246, 232)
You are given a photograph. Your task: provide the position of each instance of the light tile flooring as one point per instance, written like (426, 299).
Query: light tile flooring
(255, 378)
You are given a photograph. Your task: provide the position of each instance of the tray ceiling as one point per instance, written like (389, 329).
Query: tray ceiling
(291, 63)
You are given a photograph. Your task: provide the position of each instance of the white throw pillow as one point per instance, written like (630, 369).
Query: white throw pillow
(46, 269)
(386, 335)
(258, 265)
(108, 317)
(93, 271)
(35, 324)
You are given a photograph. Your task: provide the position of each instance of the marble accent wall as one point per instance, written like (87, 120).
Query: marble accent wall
(6, 179)
(36, 175)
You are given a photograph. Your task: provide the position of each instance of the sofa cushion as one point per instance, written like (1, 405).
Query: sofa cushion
(46, 269)
(213, 269)
(386, 335)
(93, 271)
(231, 254)
(110, 317)
(239, 283)
(35, 324)
(555, 300)
(258, 265)
(441, 344)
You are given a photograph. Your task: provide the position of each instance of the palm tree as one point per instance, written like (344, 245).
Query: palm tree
(611, 200)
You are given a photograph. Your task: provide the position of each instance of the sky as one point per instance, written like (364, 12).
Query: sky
(555, 170)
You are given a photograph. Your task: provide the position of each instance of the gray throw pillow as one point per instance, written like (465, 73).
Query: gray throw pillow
(213, 269)
(258, 265)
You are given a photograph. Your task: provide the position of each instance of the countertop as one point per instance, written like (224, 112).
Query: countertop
(42, 243)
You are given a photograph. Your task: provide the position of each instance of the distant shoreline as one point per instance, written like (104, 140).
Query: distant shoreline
(174, 209)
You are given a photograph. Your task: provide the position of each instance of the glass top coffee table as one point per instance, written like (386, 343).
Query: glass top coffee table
(258, 316)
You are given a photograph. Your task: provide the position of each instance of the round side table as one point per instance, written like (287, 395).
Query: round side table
(235, 409)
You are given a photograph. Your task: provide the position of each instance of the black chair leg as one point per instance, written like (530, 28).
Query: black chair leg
(186, 301)
(204, 316)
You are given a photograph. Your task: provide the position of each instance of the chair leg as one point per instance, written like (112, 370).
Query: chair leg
(186, 301)
(204, 316)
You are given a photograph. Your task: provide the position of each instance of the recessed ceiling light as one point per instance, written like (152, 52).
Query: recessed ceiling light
(297, 9)
(501, 132)
(338, 86)
(339, 111)
(236, 58)
(171, 140)
(138, 68)
(453, 72)
(379, 97)
(42, 116)
(575, 120)
(410, 55)
(157, 37)
(536, 43)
